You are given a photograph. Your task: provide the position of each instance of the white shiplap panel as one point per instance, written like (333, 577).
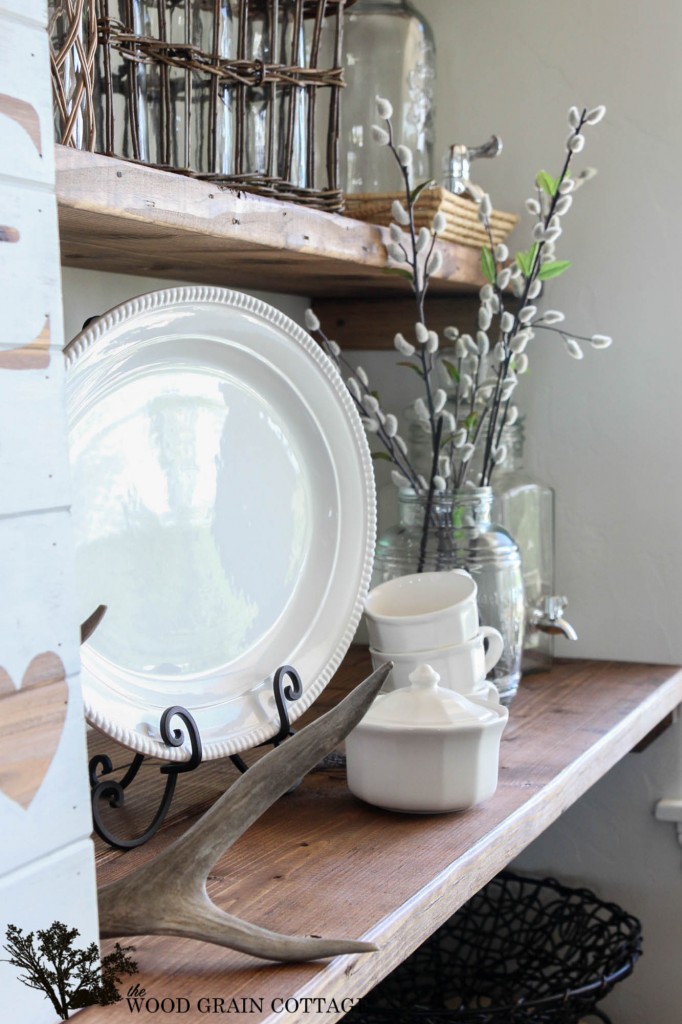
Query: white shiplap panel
(45, 819)
(26, 126)
(36, 598)
(34, 468)
(55, 888)
(25, 10)
(30, 276)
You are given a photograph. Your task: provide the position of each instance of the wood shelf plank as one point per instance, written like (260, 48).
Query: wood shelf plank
(321, 861)
(127, 218)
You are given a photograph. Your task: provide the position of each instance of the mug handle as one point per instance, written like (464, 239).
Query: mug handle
(495, 646)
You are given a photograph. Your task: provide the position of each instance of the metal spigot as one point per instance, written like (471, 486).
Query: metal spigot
(549, 618)
(457, 164)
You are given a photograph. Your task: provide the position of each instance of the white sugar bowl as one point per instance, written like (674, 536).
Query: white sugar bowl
(425, 749)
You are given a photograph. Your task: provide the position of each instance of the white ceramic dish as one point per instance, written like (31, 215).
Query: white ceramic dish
(462, 667)
(422, 611)
(425, 749)
(223, 511)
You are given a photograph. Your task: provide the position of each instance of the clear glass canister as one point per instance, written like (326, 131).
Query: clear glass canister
(461, 535)
(525, 507)
(390, 52)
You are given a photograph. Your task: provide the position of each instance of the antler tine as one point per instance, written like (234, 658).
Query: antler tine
(168, 896)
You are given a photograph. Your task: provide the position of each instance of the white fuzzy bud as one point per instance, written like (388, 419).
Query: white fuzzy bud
(432, 343)
(396, 252)
(354, 388)
(467, 452)
(334, 348)
(420, 410)
(485, 318)
(460, 438)
(506, 322)
(379, 135)
(448, 422)
(576, 143)
(501, 252)
(460, 347)
(485, 393)
(526, 314)
(512, 415)
(311, 321)
(551, 234)
(422, 482)
(370, 404)
(534, 289)
(538, 233)
(518, 286)
(485, 208)
(533, 206)
(574, 117)
(486, 293)
(467, 382)
(399, 213)
(404, 156)
(472, 347)
(391, 425)
(434, 262)
(482, 343)
(519, 342)
(384, 108)
(371, 425)
(403, 346)
(439, 400)
(566, 187)
(563, 205)
(400, 443)
(503, 278)
(508, 390)
(601, 341)
(398, 479)
(396, 233)
(520, 363)
(595, 115)
(421, 333)
(423, 239)
(573, 348)
(362, 375)
(451, 333)
(500, 454)
(552, 316)
(439, 483)
(440, 223)
(444, 466)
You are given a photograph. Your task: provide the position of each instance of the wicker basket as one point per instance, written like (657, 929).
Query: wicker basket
(461, 214)
(233, 91)
(73, 41)
(521, 950)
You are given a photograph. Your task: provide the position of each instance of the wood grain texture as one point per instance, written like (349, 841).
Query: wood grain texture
(127, 218)
(320, 856)
(373, 323)
(32, 721)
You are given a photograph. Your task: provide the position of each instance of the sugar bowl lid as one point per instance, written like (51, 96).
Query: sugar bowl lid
(425, 704)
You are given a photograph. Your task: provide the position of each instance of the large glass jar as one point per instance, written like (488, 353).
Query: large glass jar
(389, 52)
(525, 507)
(461, 535)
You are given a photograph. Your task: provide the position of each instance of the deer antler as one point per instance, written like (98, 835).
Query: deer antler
(168, 895)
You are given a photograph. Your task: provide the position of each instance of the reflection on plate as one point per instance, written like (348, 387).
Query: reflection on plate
(224, 512)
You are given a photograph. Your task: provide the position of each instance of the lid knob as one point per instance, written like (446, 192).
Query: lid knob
(424, 677)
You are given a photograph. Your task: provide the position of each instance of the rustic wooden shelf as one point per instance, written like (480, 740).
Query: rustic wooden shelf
(321, 861)
(128, 218)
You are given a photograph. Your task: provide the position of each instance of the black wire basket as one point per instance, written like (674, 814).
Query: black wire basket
(522, 950)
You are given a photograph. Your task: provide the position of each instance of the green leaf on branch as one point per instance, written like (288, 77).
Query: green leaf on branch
(471, 421)
(382, 457)
(553, 269)
(547, 183)
(525, 260)
(407, 274)
(488, 264)
(417, 191)
(413, 366)
(452, 371)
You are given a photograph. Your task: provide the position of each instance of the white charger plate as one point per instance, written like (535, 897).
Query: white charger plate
(224, 512)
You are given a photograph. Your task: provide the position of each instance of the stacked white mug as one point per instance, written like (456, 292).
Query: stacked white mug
(432, 618)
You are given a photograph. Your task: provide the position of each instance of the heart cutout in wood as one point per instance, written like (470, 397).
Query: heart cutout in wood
(31, 724)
